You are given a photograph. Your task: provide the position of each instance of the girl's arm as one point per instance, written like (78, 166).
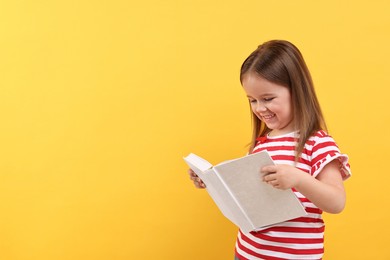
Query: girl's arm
(326, 191)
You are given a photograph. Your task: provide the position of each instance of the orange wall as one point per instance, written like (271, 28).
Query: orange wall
(100, 100)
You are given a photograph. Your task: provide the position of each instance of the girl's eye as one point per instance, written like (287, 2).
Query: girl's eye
(252, 100)
(268, 99)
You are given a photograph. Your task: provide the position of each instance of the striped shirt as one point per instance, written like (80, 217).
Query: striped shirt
(300, 238)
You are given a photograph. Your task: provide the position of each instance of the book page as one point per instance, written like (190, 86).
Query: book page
(262, 204)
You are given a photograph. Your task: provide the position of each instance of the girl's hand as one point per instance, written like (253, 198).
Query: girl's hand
(197, 181)
(326, 190)
(281, 176)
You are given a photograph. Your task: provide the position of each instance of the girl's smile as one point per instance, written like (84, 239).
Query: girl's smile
(270, 102)
(268, 117)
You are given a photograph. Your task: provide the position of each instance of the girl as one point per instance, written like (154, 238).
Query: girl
(288, 123)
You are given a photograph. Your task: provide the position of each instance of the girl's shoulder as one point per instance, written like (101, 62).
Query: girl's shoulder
(320, 139)
(320, 135)
(321, 148)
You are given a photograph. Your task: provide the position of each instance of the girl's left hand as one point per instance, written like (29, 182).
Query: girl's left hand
(281, 176)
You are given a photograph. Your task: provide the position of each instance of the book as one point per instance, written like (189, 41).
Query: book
(242, 196)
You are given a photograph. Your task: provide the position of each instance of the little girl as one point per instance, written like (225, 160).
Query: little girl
(288, 123)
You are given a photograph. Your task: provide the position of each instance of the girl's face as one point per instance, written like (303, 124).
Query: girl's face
(270, 102)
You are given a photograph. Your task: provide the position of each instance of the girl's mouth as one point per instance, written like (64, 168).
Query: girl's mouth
(268, 117)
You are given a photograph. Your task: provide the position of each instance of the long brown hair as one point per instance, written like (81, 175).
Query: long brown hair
(282, 63)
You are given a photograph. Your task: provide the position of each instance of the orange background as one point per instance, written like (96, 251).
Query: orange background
(100, 100)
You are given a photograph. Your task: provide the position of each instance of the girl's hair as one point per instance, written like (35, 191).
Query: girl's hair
(282, 63)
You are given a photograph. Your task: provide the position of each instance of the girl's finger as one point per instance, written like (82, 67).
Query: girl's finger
(192, 173)
(270, 168)
(269, 177)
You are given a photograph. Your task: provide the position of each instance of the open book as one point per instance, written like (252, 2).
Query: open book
(237, 188)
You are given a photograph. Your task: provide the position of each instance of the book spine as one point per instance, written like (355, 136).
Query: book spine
(248, 225)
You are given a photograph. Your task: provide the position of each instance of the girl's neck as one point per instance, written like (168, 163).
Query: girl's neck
(274, 133)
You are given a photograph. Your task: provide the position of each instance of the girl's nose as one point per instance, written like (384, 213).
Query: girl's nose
(260, 107)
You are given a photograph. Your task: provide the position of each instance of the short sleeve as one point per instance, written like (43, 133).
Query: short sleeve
(324, 151)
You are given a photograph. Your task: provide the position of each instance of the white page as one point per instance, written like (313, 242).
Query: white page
(263, 204)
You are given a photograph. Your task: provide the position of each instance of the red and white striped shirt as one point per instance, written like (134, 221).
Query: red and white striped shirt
(300, 238)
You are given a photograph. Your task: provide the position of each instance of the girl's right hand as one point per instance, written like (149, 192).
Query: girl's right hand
(197, 181)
